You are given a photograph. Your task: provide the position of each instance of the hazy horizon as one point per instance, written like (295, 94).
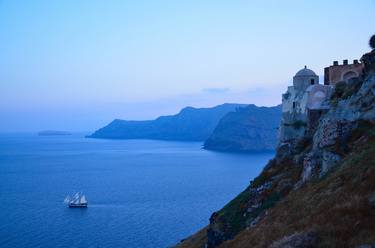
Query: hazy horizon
(76, 66)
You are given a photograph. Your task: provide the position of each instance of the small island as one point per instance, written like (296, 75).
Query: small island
(53, 133)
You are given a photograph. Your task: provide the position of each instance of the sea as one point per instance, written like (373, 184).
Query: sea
(141, 193)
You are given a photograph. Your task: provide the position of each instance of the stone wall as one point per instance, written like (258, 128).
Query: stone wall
(336, 73)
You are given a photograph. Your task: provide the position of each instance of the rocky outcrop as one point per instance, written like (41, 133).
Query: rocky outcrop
(330, 140)
(247, 129)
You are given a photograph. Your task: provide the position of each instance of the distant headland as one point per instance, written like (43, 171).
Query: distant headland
(229, 127)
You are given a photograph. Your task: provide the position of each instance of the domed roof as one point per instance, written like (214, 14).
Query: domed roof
(305, 73)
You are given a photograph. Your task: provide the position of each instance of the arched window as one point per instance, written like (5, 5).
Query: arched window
(312, 81)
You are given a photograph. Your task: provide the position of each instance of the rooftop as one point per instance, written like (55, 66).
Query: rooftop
(305, 73)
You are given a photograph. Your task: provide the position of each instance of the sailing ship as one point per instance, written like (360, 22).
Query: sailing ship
(77, 201)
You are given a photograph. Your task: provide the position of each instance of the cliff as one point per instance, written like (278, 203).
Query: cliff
(190, 124)
(316, 192)
(247, 129)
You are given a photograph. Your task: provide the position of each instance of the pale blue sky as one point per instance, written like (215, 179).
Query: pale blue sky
(76, 65)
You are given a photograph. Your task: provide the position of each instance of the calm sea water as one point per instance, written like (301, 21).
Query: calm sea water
(141, 193)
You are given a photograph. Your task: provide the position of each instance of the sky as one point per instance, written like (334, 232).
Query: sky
(76, 65)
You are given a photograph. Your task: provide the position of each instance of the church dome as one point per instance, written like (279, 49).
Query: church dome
(305, 73)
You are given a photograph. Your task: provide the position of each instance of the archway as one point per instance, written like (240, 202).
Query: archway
(348, 75)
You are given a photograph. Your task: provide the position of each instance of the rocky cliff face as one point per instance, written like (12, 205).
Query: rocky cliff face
(318, 192)
(247, 129)
(226, 127)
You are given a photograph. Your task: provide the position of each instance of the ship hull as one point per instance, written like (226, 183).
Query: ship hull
(78, 205)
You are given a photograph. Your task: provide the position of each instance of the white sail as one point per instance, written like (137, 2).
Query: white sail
(67, 199)
(83, 199)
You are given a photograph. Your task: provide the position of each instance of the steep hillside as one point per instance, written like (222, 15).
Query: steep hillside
(191, 124)
(250, 128)
(318, 192)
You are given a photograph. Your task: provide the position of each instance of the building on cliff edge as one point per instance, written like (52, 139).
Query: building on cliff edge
(306, 100)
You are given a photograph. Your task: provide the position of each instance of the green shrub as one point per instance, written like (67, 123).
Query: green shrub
(340, 89)
(259, 180)
(233, 213)
(345, 91)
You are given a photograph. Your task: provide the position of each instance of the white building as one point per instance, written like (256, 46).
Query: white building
(302, 104)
